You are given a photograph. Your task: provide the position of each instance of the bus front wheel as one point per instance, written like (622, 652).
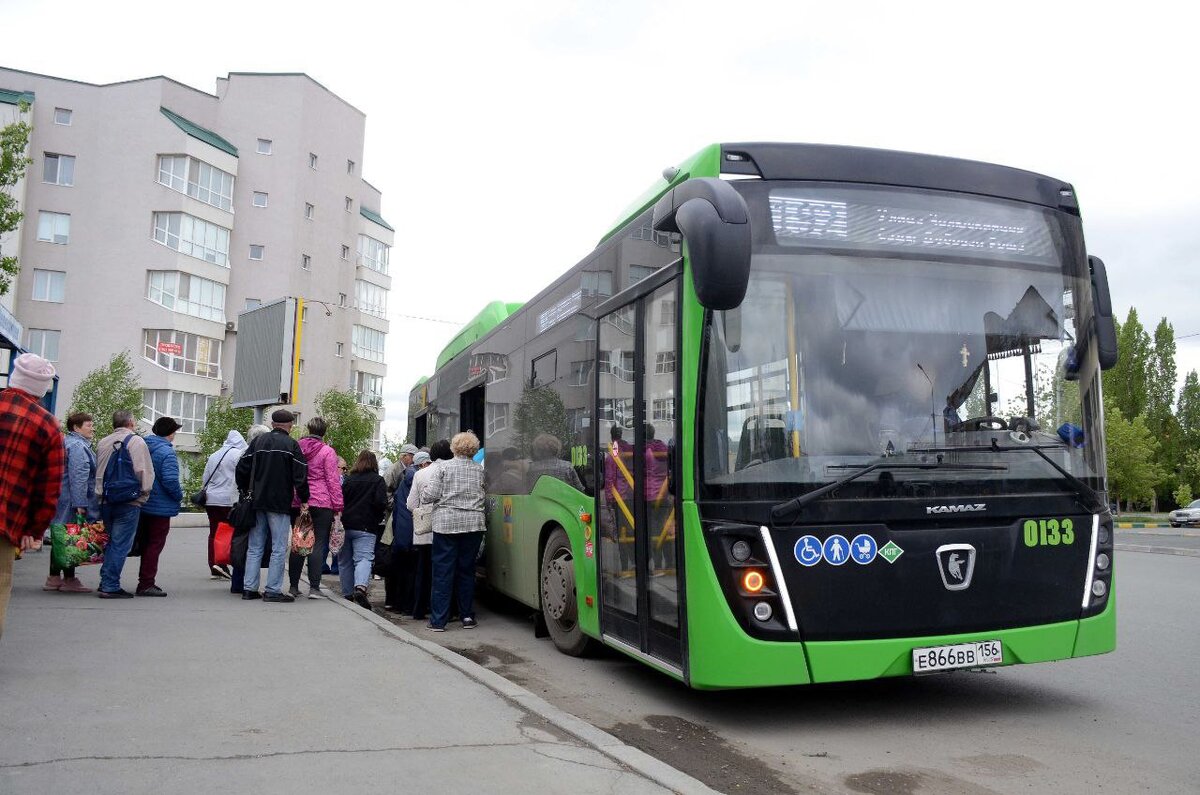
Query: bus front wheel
(560, 603)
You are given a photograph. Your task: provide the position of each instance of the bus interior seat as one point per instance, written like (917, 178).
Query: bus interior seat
(764, 438)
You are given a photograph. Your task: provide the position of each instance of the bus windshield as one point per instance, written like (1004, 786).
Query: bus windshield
(891, 324)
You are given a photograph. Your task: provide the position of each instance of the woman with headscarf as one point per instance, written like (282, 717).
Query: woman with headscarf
(220, 492)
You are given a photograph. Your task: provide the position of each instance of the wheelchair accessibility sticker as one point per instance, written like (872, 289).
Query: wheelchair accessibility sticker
(836, 550)
(808, 551)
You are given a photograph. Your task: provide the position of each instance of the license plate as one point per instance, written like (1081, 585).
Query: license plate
(960, 655)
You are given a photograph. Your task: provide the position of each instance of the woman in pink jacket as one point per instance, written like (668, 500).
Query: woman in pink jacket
(324, 504)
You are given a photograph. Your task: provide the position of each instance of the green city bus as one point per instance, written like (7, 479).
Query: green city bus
(807, 413)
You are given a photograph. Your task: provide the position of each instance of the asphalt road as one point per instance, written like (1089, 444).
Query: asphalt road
(1124, 722)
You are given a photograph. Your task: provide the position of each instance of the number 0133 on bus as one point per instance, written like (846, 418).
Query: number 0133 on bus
(805, 414)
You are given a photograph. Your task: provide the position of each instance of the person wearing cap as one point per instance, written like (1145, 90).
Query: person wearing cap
(398, 578)
(31, 464)
(121, 519)
(165, 498)
(395, 474)
(279, 471)
(426, 463)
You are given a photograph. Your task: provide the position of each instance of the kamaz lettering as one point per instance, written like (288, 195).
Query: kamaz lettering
(963, 508)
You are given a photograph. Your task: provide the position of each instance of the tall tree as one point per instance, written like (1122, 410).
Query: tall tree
(351, 424)
(1187, 412)
(1126, 383)
(107, 389)
(14, 140)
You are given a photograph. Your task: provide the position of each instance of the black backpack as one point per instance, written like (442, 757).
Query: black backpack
(121, 483)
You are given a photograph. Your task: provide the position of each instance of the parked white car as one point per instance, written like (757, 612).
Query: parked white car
(1187, 515)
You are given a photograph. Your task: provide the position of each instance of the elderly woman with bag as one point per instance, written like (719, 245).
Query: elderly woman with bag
(422, 511)
(218, 493)
(458, 525)
(78, 494)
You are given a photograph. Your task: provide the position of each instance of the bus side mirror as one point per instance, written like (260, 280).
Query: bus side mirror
(1105, 326)
(715, 222)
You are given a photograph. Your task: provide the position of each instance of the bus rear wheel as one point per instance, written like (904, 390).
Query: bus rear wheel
(560, 602)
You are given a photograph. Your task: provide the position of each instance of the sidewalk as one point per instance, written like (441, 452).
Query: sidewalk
(203, 692)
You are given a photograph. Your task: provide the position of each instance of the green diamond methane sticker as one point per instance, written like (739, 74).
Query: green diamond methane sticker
(890, 551)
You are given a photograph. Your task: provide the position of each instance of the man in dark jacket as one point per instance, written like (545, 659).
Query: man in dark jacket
(279, 471)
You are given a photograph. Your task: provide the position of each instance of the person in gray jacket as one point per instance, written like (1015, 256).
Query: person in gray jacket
(220, 492)
(78, 495)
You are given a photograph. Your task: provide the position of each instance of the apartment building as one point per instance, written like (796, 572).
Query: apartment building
(155, 212)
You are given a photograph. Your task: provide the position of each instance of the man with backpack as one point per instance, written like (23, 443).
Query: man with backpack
(128, 475)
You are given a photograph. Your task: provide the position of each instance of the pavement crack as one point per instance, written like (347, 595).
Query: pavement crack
(545, 751)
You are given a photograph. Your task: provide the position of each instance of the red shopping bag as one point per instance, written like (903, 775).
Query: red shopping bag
(221, 542)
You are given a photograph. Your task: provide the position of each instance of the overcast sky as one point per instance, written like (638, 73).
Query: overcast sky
(506, 136)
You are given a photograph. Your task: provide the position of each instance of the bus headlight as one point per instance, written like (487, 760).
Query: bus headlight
(1102, 561)
(753, 581)
(741, 551)
(763, 611)
(1099, 588)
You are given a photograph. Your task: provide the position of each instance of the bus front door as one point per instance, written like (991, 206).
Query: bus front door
(637, 392)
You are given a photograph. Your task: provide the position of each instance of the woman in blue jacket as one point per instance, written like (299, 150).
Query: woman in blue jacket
(78, 495)
(165, 499)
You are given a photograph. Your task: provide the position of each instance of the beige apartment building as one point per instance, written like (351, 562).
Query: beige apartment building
(155, 213)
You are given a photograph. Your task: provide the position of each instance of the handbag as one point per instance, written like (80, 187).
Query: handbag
(79, 543)
(423, 519)
(222, 541)
(337, 536)
(303, 536)
(201, 497)
(242, 515)
(384, 556)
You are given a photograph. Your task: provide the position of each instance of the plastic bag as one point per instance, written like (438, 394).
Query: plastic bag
(303, 536)
(337, 536)
(80, 543)
(222, 541)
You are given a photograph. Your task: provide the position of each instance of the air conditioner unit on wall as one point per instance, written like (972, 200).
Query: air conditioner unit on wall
(230, 326)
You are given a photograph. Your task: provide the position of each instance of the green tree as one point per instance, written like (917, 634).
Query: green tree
(1187, 412)
(108, 389)
(389, 447)
(351, 424)
(540, 410)
(1133, 472)
(14, 140)
(1126, 384)
(219, 420)
(1183, 494)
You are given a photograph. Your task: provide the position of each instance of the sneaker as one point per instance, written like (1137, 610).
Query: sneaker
(294, 591)
(432, 628)
(218, 573)
(315, 593)
(278, 597)
(153, 590)
(469, 623)
(360, 596)
(248, 595)
(73, 585)
(53, 583)
(120, 593)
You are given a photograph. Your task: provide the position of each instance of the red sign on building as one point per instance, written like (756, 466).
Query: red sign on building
(173, 348)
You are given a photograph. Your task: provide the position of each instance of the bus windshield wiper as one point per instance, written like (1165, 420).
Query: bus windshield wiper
(790, 508)
(1082, 490)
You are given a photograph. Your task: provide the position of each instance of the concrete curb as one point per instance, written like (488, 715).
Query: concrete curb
(1193, 553)
(639, 761)
(1132, 525)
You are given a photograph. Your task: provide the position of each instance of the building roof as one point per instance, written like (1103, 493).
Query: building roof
(9, 97)
(200, 133)
(374, 217)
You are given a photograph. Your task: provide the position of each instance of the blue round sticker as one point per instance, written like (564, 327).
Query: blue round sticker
(808, 550)
(863, 549)
(836, 550)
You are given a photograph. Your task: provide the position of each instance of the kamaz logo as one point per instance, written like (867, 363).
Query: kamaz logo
(962, 508)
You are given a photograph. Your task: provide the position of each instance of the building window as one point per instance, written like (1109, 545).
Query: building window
(44, 342)
(368, 343)
(349, 204)
(666, 313)
(639, 272)
(494, 364)
(256, 251)
(306, 262)
(58, 169)
(345, 252)
(187, 294)
(341, 299)
(304, 314)
(300, 366)
(264, 146)
(260, 199)
(349, 166)
(188, 408)
(49, 286)
(371, 252)
(368, 389)
(197, 179)
(597, 283)
(370, 298)
(253, 303)
(663, 410)
(308, 211)
(62, 116)
(54, 228)
(580, 373)
(664, 362)
(181, 352)
(495, 418)
(312, 160)
(339, 351)
(622, 369)
(189, 235)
